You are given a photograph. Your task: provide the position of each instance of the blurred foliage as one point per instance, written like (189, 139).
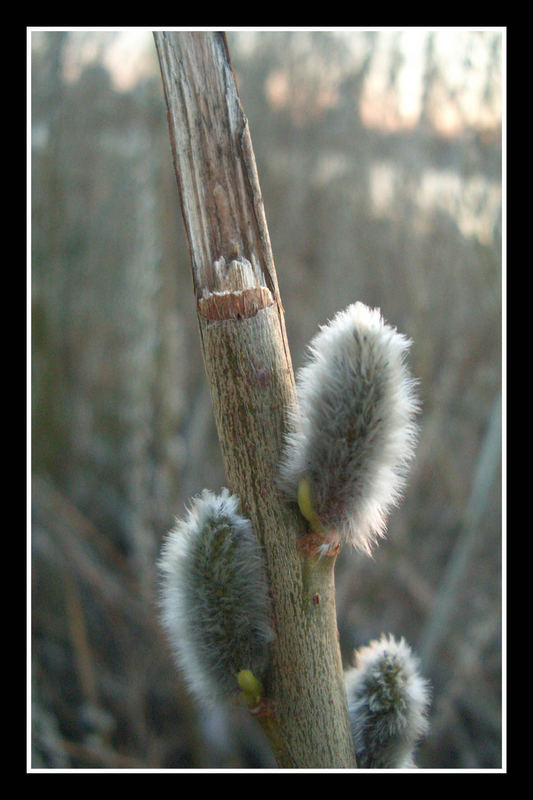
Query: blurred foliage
(362, 203)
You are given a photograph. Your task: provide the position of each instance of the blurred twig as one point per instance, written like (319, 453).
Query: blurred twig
(75, 535)
(80, 641)
(438, 621)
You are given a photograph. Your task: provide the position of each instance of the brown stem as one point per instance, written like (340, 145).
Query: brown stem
(251, 381)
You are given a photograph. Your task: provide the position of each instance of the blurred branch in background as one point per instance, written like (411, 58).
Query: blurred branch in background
(379, 156)
(447, 599)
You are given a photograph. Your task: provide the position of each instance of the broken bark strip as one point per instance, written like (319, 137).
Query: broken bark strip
(251, 381)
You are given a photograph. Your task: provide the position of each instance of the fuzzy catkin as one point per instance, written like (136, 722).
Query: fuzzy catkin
(387, 704)
(214, 597)
(352, 436)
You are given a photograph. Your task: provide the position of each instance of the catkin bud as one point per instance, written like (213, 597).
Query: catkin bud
(387, 704)
(353, 434)
(214, 597)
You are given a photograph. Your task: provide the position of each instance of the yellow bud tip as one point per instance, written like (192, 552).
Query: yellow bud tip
(306, 507)
(252, 688)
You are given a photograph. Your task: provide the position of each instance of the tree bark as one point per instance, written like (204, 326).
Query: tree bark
(249, 371)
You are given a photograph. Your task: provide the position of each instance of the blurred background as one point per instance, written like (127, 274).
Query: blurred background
(380, 160)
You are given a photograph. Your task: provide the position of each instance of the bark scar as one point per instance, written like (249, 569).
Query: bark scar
(235, 305)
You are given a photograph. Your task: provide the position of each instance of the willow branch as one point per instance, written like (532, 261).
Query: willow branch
(251, 381)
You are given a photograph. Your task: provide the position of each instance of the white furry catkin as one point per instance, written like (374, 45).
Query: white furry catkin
(387, 705)
(214, 597)
(353, 434)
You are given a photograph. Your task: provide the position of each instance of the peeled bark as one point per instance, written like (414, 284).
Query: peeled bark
(251, 381)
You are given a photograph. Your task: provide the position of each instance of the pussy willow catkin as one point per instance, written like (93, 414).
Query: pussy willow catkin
(387, 704)
(352, 436)
(214, 597)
